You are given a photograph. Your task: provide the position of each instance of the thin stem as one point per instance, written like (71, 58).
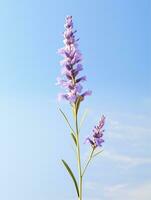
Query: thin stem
(88, 162)
(78, 155)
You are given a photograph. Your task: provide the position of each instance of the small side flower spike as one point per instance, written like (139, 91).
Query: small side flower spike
(97, 137)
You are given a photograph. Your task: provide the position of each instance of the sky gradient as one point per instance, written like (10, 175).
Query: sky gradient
(115, 40)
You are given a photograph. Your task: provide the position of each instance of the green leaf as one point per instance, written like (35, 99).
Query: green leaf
(66, 119)
(96, 154)
(72, 176)
(77, 104)
(83, 117)
(74, 138)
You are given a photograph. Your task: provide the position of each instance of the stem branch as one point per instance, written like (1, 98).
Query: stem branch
(88, 162)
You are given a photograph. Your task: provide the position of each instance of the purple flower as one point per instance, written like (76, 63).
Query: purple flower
(97, 134)
(71, 66)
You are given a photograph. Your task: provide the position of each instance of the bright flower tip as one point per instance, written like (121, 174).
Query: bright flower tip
(87, 93)
(88, 140)
(61, 97)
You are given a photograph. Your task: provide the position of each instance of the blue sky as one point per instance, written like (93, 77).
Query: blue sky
(115, 42)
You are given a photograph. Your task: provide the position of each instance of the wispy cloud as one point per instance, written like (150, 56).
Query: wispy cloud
(124, 192)
(114, 188)
(125, 160)
(90, 185)
(134, 130)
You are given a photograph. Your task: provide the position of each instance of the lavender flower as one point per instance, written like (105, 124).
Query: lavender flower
(97, 134)
(71, 66)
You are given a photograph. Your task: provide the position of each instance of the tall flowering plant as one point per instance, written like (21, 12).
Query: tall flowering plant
(71, 81)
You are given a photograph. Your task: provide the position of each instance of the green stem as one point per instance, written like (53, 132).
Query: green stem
(88, 162)
(78, 155)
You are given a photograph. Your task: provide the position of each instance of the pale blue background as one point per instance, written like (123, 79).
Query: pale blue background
(115, 41)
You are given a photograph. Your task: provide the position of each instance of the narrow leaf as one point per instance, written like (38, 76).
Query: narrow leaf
(83, 117)
(78, 103)
(66, 119)
(74, 138)
(97, 153)
(72, 176)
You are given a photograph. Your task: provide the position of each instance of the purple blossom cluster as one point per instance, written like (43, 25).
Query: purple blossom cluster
(97, 134)
(71, 66)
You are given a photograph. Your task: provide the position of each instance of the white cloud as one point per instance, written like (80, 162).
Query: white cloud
(131, 130)
(114, 188)
(120, 191)
(125, 160)
(90, 185)
(125, 192)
